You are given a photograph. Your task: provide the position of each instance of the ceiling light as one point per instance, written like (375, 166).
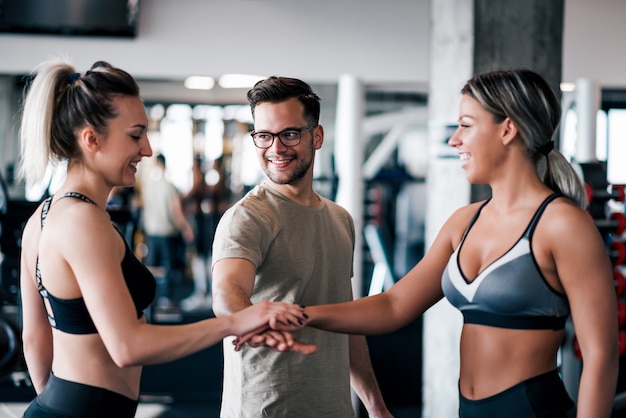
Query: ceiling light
(199, 83)
(238, 81)
(568, 86)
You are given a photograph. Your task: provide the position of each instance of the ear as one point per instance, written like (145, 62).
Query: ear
(318, 136)
(89, 139)
(509, 131)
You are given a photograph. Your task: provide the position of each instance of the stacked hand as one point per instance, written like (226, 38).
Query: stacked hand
(279, 320)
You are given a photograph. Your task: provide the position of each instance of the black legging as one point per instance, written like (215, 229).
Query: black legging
(540, 396)
(62, 398)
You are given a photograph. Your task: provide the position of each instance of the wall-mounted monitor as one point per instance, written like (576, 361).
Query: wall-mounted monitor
(115, 18)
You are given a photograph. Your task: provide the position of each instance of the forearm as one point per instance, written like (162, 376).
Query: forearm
(366, 316)
(596, 392)
(169, 343)
(363, 379)
(38, 359)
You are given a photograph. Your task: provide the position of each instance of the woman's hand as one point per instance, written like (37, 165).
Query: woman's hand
(278, 340)
(268, 315)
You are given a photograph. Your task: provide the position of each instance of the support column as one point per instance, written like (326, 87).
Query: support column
(470, 36)
(447, 189)
(349, 155)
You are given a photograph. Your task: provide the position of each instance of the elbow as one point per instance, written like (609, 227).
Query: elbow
(36, 345)
(219, 307)
(124, 356)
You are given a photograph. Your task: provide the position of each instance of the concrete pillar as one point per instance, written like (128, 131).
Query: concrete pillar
(470, 36)
(349, 155)
(587, 104)
(451, 64)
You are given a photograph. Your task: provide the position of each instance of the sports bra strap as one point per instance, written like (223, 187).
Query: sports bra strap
(530, 229)
(471, 223)
(78, 196)
(45, 209)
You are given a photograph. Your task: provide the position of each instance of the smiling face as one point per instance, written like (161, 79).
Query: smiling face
(287, 165)
(478, 140)
(125, 142)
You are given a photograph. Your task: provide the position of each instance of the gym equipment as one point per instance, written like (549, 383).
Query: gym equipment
(615, 224)
(621, 313)
(622, 342)
(382, 277)
(8, 345)
(617, 252)
(613, 192)
(620, 282)
(11, 225)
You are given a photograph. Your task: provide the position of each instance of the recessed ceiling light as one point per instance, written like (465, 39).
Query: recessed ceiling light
(238, 81)
(199, 83)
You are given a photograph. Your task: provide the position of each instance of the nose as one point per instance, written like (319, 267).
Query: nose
(146, 148)
(454, 139)
(278, 144)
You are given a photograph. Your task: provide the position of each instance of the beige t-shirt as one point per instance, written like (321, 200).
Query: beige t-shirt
(303, 255)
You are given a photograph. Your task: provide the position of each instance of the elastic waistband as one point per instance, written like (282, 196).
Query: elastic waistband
(538, 396)
(79, 400)
(552, 375)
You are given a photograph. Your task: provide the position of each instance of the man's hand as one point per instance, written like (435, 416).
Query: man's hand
(278, 340)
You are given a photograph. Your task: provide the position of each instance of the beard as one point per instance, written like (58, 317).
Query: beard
(300, 170)
(298, 173)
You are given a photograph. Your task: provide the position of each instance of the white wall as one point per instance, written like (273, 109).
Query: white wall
(317, 40)
(594, 42)
(314, 40)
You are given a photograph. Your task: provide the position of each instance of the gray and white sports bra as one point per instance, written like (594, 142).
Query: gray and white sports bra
(511, 292)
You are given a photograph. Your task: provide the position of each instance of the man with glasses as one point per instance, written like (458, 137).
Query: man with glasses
(285, 242)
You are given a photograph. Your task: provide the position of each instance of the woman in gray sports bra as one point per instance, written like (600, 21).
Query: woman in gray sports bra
(85, 336)
(516, 265)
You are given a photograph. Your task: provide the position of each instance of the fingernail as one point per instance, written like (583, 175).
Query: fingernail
(300, 322)
(289, 322)
(302, 306)
(305, 315)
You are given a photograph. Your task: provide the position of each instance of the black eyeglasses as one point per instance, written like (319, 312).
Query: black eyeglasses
(289, 137)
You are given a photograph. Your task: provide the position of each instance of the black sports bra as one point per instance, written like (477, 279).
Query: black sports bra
(71, 315)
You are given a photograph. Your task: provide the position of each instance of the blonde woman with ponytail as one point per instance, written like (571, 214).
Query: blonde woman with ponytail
(83, 292)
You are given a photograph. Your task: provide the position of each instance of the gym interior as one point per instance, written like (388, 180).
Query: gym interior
(389, 75)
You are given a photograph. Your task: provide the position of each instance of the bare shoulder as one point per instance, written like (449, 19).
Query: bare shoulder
(566, 226)
(81, 224)
(564, 216)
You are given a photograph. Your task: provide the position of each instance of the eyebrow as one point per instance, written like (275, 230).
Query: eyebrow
(285, 129)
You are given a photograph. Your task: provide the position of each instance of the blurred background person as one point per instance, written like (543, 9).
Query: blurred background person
(166, 232)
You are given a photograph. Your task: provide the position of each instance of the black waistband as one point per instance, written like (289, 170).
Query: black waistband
(540, 396)
(78, 400)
